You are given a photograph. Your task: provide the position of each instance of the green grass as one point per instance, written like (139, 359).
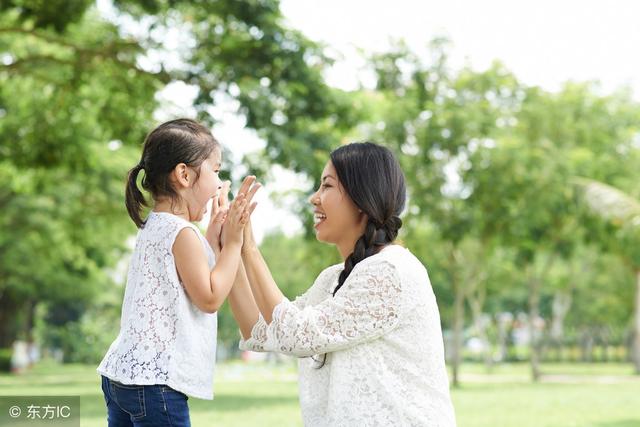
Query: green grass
(580, 395)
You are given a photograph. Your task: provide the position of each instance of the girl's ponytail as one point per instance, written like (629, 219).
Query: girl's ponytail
(134, 198)
(173, 142)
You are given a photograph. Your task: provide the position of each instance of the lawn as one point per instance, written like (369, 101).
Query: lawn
(581, 395)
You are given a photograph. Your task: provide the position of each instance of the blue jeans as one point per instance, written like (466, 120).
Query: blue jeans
(144, 405)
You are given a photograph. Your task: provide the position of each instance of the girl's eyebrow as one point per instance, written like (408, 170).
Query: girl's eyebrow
(327, 176)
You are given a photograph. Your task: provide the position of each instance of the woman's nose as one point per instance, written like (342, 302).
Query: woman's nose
(313, 199)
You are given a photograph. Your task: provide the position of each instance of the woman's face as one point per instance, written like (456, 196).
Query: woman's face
(337, 219)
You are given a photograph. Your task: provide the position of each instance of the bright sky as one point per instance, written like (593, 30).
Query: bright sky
(544, 42)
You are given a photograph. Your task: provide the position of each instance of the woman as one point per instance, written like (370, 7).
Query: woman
(367, 331)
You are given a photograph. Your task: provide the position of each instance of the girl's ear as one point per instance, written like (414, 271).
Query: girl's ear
(182, 175)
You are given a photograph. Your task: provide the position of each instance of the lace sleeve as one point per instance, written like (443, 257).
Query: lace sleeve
(365, 308)
(258, 339)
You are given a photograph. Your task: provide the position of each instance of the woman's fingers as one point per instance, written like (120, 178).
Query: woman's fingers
(246, 184)
(253, 190)
(252, 207)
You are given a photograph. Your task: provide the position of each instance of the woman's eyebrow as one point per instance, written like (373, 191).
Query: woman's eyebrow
(327, 176)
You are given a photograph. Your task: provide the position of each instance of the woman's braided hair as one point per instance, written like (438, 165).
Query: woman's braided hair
(373, 179)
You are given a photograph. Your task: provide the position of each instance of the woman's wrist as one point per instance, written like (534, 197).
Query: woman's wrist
(249, 247)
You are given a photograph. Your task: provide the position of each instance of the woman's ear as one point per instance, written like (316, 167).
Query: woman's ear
(181, 175)
(364, 218)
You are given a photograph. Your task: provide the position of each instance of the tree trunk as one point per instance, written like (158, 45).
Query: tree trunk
(534, 311)
(10, 307)
(476, 302)
(458, 325)
(636, 329)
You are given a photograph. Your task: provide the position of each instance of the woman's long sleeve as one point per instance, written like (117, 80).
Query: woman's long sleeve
(365, 308)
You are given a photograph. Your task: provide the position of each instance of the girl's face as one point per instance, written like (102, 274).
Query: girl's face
(205, 187)
(337, 219)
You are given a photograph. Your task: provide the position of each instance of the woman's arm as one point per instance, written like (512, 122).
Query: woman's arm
(243, 306)
(369, 305)
(266, 293)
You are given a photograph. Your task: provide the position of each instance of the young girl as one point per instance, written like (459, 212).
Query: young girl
(176, 282)
(368, 330)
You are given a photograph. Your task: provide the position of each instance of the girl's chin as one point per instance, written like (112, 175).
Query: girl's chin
(199, 216)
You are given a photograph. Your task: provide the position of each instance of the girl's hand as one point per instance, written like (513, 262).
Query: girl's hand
(240, 211)
(219, 210)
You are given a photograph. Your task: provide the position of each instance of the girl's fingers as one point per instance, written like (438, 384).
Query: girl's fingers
(221, 216)
(244, 218)
(252, 207)
(215, 209)
(224, 193)
(240, 200)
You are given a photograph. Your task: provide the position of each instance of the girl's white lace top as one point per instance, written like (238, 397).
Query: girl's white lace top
(383, 342)
(164, 338)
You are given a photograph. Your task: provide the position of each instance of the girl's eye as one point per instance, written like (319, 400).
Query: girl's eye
(326, 186)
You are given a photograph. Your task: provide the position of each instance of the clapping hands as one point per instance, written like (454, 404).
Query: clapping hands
(228, 220)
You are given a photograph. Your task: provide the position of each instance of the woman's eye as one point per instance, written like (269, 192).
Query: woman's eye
(326, 186)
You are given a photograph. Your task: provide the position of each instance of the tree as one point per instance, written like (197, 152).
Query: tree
(77, 96)
(621, 212)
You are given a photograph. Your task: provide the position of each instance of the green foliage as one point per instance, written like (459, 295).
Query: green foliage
(77, 97)
(5, 359)
(490, 162)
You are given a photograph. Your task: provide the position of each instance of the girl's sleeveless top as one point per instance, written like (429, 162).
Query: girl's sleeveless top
(164, 338)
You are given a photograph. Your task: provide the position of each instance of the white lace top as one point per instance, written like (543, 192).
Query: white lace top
(382, 335)
(164, 338)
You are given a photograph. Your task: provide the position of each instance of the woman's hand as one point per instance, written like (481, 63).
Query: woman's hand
(248, 242)
(239, 212)
(219, 210)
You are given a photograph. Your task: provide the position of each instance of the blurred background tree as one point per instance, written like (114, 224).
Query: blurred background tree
(77, 96)
(522, 202)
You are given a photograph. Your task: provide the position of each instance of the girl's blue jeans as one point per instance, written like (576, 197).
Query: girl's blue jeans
(144, 405)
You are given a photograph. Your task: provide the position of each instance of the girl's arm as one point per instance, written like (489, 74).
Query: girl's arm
(209, 288)
(206, 288)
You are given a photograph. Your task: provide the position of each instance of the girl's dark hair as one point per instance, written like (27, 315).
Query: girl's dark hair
(174, 142)
(373, 179)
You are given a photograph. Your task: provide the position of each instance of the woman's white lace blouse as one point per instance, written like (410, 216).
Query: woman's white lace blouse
(164, 338)
(383, 342)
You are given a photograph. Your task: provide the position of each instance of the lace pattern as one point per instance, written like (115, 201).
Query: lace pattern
(383, 340)
(164, 338)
